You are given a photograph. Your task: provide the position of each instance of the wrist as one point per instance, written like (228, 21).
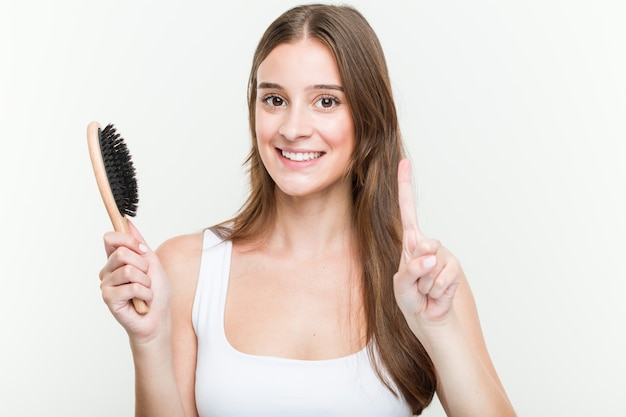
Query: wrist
(154, 341)
(433, 334)
(152, 358)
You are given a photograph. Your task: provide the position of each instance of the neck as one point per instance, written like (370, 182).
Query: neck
(311, 226)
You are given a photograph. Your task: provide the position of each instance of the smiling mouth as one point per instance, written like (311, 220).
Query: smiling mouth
(301, 156)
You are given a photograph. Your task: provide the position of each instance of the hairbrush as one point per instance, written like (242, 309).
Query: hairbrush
(115, 175)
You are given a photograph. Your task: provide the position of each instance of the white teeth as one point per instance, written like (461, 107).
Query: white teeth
(301, 156)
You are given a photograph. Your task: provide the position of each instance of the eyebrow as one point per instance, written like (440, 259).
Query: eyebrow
(265, 85)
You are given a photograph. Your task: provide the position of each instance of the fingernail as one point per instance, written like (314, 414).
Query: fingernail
(430, 261)
(143, 248)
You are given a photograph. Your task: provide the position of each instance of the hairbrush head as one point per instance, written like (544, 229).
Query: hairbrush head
(119, 170)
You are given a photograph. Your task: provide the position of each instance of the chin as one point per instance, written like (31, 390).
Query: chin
(295, 191)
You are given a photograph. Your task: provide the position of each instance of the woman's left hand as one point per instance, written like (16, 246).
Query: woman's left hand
(428, 274)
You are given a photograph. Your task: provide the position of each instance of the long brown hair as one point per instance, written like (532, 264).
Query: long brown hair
(373, 173)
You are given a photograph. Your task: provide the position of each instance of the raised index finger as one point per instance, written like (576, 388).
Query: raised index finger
(408, 213)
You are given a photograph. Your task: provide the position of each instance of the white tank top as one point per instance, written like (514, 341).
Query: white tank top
(230, 383)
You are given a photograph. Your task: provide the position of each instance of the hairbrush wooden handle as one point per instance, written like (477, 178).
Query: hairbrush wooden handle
(119, 222)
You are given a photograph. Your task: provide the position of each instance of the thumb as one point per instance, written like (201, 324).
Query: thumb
(134, 232)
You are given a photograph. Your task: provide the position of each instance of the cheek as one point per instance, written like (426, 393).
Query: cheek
(263, 126)
(340, 133)
(264, 134)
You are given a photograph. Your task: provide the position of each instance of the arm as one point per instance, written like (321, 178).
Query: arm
(435, 298)
(156, 340)
(468, 384)
(181, 259)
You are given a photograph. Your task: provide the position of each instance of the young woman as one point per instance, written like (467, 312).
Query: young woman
(321, 297)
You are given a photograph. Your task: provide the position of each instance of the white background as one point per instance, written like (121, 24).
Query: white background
(513, 112)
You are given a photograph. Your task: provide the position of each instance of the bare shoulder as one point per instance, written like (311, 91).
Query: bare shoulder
(181, 249)
(181, 252)
(180, 257)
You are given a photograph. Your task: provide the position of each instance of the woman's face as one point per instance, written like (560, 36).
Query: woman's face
(304, 128)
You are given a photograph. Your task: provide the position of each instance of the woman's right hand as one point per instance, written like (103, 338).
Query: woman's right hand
(134, 271)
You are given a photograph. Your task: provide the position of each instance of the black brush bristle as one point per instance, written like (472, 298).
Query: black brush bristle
(120, 170)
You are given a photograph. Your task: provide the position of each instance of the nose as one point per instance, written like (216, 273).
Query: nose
(296, 124)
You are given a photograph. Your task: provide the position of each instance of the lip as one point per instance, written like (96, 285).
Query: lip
(298, 150)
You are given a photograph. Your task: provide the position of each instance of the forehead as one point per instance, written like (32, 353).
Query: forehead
(305, 61)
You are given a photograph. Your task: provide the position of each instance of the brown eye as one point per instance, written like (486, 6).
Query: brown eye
(326, 103)
(274, 101)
